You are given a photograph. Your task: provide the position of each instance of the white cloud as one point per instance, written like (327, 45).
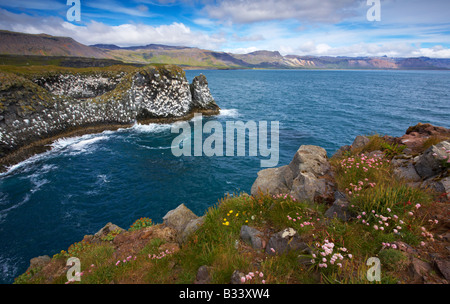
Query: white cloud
(114, 7)
(249, 11)
(122, 35)
(241, 50)
(204, 22)
(372, 49)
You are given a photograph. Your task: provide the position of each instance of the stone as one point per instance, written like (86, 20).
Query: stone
(109, 227)
(201, 95)
(430, 163)
(304, 178)
(433, 184)
(418, 269)
(407, 172)
(306, 187)
(273, 181)
(191, 227)
(339, 210)
(285, 241)
(203, 275)
(415, 136)
(161, 232)
(236, 277)
(444, 268)
(339, 195)
(252, 236)
(179, 218)
(305, 256)
(359, 142)
(445, 184)
(39, 262)
(312, 159)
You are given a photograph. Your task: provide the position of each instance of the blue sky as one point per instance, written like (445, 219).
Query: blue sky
(303, 27)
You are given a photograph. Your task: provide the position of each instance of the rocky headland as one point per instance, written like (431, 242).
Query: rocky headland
(315, 220)
(38, 105)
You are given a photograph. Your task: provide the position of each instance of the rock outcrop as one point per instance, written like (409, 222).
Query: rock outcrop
(184, 221)
(38, 107)
(305, 178)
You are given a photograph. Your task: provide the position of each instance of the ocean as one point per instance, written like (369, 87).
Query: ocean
(53, 199)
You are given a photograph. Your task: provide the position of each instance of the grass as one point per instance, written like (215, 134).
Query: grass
(398, 211)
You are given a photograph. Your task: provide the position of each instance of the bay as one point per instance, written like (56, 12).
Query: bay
(53, 199)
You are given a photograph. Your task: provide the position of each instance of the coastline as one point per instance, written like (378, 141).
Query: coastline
(43, 145)
(266, 229)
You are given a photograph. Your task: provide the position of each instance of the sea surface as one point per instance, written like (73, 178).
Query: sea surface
(52, 200)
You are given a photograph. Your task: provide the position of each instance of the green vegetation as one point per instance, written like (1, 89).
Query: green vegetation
(143, 222)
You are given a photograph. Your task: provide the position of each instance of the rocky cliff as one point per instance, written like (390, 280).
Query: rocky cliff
(305, 222)
(38, 106)
(420, 158)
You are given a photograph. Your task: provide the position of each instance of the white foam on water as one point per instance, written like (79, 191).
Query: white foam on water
(82, 145)
(102, 179)
(155, 148)
(26, 163)
(4, 212)
(79, 144)
(75, 145)
(229, 113)
(150, 128)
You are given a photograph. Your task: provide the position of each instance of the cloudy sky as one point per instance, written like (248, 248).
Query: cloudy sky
(407, 28)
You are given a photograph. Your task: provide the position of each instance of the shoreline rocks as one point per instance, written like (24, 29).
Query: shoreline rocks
(39, 108)
(305, 178)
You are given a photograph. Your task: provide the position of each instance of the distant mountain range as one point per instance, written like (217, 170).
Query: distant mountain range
(13, 43)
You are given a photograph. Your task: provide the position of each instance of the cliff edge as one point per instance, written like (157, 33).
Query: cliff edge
(36, 107)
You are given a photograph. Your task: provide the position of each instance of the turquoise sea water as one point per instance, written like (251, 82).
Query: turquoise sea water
(52, 200)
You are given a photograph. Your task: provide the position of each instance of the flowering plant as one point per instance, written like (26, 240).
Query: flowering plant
(328, 255)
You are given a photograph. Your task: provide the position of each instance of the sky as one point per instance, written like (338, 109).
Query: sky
(404, 28)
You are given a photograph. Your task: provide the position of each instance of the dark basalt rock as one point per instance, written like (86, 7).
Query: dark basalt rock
(40, 107)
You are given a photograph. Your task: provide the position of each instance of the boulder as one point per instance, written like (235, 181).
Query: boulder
(201, 96)
(431, 162)
(252, 236)
(419, 269)
(179, 218)
(183, 220)
(191, 227)
(445, 182)
(359, 142)
(306, 187)
(415, 136)
(444, 268)
(285, 241)
(339, 210)
(203, 275)
(304, 178)
(109, 227)
(273, 181)
(312, 159)
(39, 262)
(405, 170)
